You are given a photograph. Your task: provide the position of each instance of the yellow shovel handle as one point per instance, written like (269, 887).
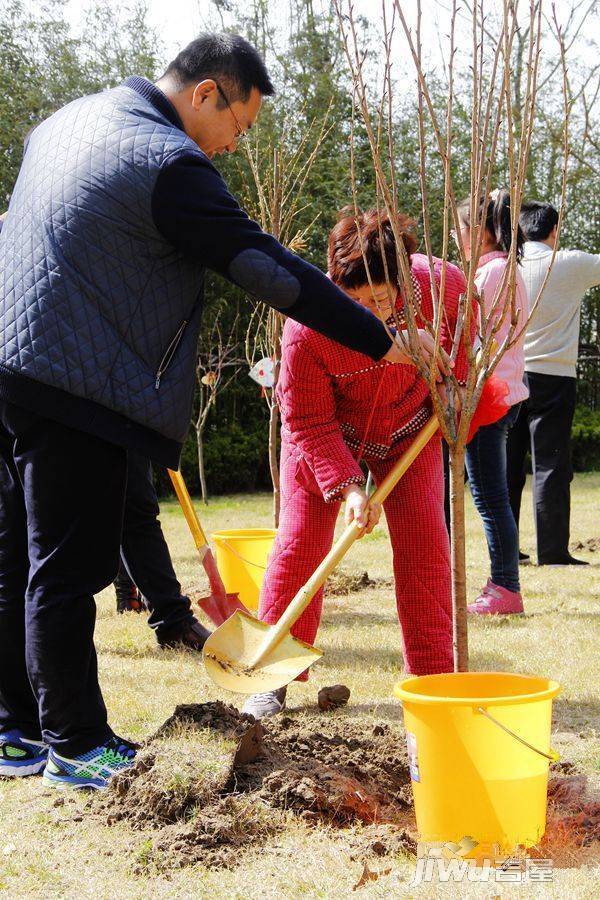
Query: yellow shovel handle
(350, 534)
(406, 460)
(188, 511)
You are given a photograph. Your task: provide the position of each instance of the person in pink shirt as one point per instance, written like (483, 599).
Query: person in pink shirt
(486, 452)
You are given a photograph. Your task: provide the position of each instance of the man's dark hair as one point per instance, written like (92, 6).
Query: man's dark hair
(228, 58)
(538, 220)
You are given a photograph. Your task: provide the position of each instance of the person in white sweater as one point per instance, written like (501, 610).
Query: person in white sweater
(551, 345)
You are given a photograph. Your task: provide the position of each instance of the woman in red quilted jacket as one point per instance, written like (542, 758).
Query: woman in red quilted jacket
(337, 404)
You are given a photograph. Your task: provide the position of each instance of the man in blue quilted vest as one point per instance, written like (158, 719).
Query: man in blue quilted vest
(116, 213)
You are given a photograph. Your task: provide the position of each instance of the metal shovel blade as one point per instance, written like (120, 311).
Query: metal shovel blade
(229, 652)
(219, 608)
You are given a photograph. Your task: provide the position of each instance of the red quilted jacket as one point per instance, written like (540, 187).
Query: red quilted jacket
(327, 393)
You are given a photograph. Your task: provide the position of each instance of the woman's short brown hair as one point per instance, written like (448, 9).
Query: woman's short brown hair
(346, 261)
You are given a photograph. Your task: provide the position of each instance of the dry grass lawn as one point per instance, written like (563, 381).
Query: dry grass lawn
(49, 850)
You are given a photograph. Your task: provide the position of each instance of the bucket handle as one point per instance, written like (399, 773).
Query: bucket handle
(247, 562)
(553, 756)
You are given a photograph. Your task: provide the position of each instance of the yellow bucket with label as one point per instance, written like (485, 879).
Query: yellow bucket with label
(242, 555)
(479, 754)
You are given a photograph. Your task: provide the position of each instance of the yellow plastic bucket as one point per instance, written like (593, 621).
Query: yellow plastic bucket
(478, 746)
(242, 555)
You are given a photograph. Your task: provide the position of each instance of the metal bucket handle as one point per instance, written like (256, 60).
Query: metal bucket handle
(247, 562)
(553, 756)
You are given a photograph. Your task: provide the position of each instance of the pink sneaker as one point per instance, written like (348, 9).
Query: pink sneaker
(497, 601)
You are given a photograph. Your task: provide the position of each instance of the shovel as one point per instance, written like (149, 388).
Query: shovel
(219, 605)
(248, 656)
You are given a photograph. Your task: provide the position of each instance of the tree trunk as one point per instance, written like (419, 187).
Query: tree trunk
(201, 472)
(458, 560)
(273, 460)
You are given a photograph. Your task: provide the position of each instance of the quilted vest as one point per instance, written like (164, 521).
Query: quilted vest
(93, 300)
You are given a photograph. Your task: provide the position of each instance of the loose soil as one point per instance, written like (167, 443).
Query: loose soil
(592, 545)
(341, 583)
(573, 829)
(212, 783)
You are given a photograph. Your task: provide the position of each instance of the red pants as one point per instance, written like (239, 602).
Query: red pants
(415, 516)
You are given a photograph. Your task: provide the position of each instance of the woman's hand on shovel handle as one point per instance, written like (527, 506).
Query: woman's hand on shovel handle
(359, 509)
(400, 356)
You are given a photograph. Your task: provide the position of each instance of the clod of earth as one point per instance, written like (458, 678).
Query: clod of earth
(369, 875)
(592, 545)
(341, 583)
(333, 697)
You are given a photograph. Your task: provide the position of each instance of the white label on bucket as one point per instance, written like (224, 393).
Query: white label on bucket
(413, 759)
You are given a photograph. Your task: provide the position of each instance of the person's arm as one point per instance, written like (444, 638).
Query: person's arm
(585, 268)
(307, 404)
(195, 212)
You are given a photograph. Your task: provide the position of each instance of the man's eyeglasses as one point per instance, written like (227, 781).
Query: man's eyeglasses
(240, 133)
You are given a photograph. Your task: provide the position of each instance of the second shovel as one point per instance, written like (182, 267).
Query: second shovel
(219, 605)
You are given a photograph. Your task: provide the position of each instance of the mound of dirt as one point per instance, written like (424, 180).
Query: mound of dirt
(567, 791)
(341, 583)
(212, 780)
(364, 774)
(571, 810)
(573, 823)
(592, 545)
(216, 834)
(180, 769)
(584, 825)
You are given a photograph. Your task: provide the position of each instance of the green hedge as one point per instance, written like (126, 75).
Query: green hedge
(237, 460)
(586, 440)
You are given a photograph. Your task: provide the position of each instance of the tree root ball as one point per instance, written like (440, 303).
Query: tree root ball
(333, 697)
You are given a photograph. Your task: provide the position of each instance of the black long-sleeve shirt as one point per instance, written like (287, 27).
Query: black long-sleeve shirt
(194, 211)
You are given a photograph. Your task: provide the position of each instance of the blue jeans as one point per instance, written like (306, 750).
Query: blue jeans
(486, 467)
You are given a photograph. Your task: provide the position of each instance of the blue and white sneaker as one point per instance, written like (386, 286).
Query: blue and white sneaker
(92, 769)
(20, 756)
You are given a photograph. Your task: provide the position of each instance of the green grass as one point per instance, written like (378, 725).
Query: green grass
(60, 851)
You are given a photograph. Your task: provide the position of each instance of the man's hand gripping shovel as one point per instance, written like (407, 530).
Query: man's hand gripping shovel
(219, 605)
(248, 656)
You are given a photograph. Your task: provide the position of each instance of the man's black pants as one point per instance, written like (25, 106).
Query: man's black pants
(61, 507)
(145, 552)
(544, 426)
